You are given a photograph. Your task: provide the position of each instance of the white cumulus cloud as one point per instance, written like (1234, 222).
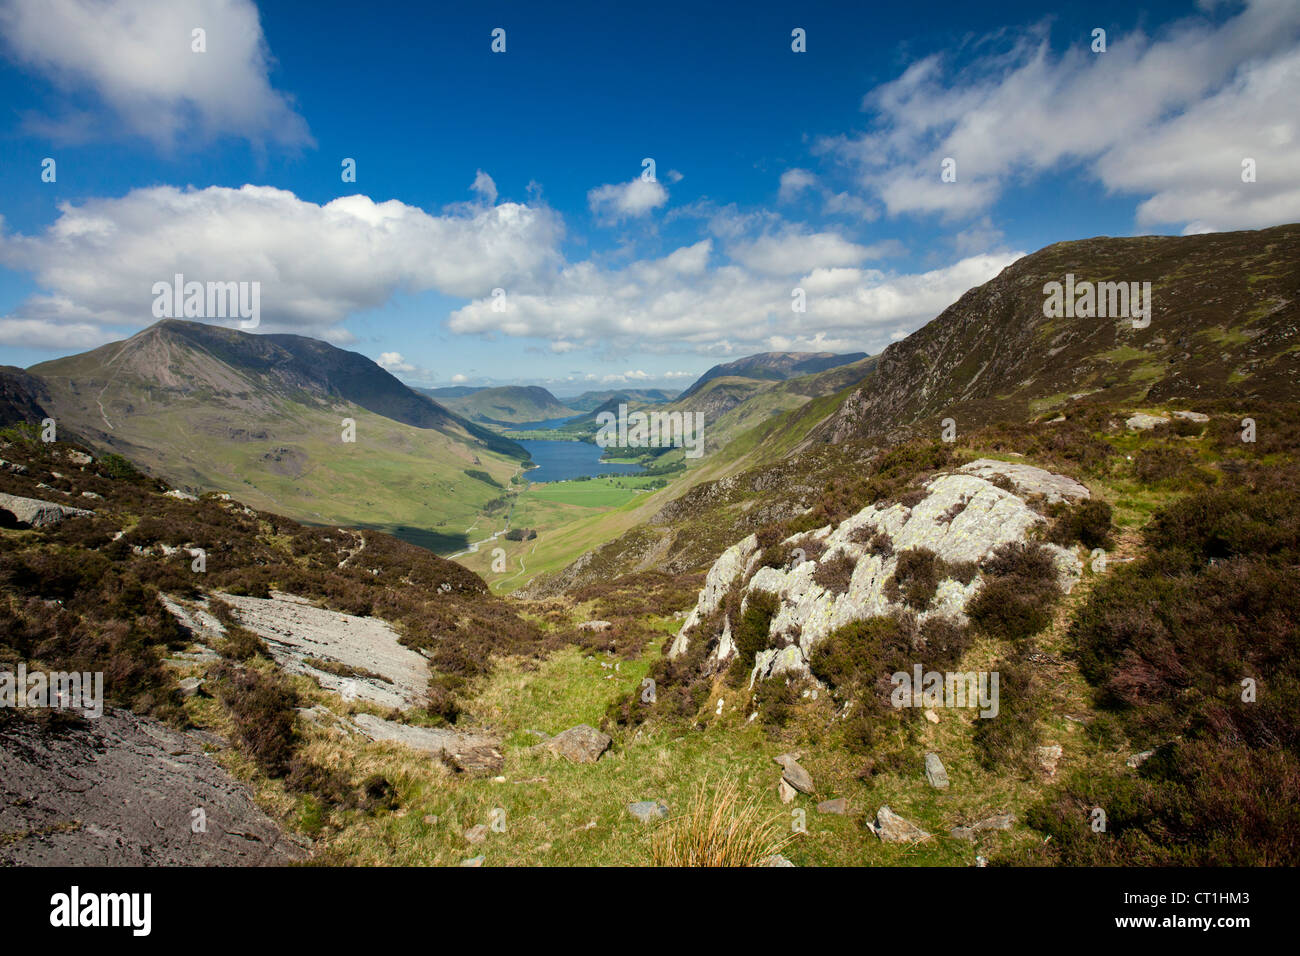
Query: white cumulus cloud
(317, 264)
(614, 202)
(137, 58)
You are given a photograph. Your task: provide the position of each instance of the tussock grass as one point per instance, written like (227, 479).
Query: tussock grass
(720, 829)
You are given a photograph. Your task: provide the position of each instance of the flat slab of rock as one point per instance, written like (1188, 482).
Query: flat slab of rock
(1002, 821)
(595, 626)
(776, 859)
(580, 744)
(373, 664)
(1199, 417)
(648, 810)
(794, 774)
(840, 805)
(122, 791)
(935, 772)
(891, 828)
(469, 752)
(38, 513)
(1029, 480)
(1142, 422)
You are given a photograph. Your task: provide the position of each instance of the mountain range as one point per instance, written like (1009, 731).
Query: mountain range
(1101, 513)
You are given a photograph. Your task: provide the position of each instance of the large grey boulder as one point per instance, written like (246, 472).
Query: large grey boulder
(38, 513)
(580, 744)
(1142, 422)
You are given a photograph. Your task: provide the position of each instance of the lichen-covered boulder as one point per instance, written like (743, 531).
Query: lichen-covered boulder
(962, 518)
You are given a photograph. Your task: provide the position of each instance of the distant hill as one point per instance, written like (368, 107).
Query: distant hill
(592, 401)
(262, 415)
(774, 366)
(451, 391)
(503, 405)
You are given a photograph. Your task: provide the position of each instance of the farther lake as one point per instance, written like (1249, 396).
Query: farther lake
(566, 460)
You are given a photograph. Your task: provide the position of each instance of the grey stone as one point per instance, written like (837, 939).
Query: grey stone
(580, 744)
(475, 753)
(1142, 422)
(785, 791)
(477, 833)
(891, 828)
(935, 772)
(1028, 479)
(473, 861)
(1197, 417)
(647, 810)
(794, 774)
(776, 859)
(377, 667)
(1001, 821)
(1049, 757)
(190, 686)
(840, 805)
(595, 626)
(1138, 759)
(38, 513)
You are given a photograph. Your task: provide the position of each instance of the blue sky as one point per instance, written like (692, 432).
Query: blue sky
(775, 170)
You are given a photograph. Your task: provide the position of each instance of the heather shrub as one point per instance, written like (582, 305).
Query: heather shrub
(1019, 590)
(834, 574)
(1087, 523)
(261, 707)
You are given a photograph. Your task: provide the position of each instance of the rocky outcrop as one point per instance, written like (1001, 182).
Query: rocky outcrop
(730, 566)
(1029, 480)
(468, 752)
(126, 790)
(359, 658)
(36, 512)
(963, 518)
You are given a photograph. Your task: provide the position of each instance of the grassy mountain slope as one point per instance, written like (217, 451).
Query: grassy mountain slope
(261, 417)
(1224, 324)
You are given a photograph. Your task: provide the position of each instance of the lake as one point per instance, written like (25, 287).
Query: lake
(565, 460)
